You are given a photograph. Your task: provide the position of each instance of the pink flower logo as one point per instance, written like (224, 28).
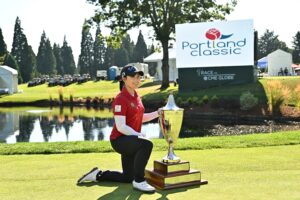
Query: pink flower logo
(213, 34)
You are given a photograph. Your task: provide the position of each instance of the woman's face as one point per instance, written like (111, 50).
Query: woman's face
(132, 82)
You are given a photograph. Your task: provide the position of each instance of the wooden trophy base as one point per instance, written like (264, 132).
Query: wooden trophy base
(173, 175)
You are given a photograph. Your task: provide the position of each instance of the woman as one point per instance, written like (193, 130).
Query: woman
(126, 137)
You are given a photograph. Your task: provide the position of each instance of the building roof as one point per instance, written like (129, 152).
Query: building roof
(8, 69)
(279, 52)
(158, 56)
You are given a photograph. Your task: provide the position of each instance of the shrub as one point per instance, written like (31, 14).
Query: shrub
(278, 95)
(205, 99)
(194, 100)
(200, 103)
(71, 91)
(178, 100)
(61, 94)
(189, 100)
(297, 94)
(214, 101)
(248, 101)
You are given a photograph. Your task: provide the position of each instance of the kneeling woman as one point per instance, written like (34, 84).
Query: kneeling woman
(126, 137)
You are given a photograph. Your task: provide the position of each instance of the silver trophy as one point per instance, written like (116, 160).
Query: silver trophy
(170, 121)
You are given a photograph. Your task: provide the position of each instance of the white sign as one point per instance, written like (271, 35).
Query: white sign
(215, 44)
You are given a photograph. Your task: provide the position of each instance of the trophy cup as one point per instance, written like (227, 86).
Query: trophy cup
(171, 171)
(170, 120)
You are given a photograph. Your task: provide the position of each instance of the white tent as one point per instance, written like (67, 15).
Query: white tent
(278, 61)
(8, 79)
(157, 57)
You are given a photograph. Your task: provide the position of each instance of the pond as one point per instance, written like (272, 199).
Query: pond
(82, 124)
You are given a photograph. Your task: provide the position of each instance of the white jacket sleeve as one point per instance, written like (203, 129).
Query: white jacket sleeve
(149, 116)
(122, 127)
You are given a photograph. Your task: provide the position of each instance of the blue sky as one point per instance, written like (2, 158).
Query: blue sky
(65, 17)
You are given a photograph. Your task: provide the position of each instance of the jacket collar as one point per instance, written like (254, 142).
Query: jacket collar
(127, 94)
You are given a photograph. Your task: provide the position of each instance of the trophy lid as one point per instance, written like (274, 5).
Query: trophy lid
(171, 105)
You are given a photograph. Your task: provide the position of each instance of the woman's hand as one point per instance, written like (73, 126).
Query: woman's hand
(159, 111)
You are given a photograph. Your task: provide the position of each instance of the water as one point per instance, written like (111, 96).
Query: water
(46, 125)
(81, 124)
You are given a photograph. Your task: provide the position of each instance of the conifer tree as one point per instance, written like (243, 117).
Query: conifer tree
(50, 58)
(99, 51)
(40, 59)
(86, 60)
(128, 45)
(3, 47)
(296, 48)
(140, 49)
(46, 63)
(109, 57)
(68, 62)
(10, 61)
(22, 53)
(58, 59)
(30, 61)
(122, 57)
(18, 41)
(6, 58)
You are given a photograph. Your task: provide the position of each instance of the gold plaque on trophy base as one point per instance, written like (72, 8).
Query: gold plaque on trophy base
(173, 175)
(167, 168)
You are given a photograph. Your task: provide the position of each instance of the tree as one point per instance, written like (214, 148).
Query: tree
(86, 59)
(151, 50)
(5, 57)
(296, 46)
(109, 57)
(10, 61)
(3, 47)
(140, 50)
(46, 63)
(162, 15)
(58, 59)
(26, 125)
(22, 53)
(121, 57)
(68, 62)
(50, 59)
(128, 45)
(268, 43)
(99, 51)
(30, 63)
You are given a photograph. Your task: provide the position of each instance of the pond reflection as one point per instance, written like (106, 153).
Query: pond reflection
(48, 126)
(81, 124)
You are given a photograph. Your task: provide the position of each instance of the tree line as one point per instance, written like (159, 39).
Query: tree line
(95, 54)
(99, 53)
(269, 42)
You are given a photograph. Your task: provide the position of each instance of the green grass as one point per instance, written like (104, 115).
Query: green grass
(243, 173)
(150, 91)
(103, 89)
(196, 143)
